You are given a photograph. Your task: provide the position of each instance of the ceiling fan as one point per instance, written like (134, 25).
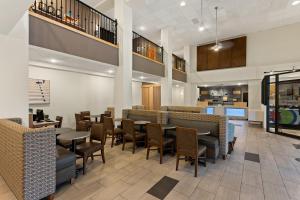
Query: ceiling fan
(220, 45)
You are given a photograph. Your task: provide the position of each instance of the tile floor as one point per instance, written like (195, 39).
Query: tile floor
(128, 177)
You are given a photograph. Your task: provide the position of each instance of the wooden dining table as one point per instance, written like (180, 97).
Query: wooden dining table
(73, 136)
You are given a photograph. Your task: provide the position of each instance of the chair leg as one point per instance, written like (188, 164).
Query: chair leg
(177, 161)
(92, 156)
(102, 155)
(161, 155)
(196, 166)
(148, 151)
(84, 163)
(133, 148)
(112, 140)
(124, 141)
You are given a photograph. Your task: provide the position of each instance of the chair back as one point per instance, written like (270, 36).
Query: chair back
(154, 133)
(85, 115)
(186, 141)
(98, 133)
(108, 124)
(104, 115)
(77, 118)
(60, 119)
(128, 126)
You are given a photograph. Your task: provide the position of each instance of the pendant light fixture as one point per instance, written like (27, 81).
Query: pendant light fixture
(218, 45)
(201, 27)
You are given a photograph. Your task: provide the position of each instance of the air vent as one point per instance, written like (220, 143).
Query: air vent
(195, 21)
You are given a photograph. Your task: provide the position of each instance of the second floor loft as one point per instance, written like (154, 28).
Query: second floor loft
(72, 27)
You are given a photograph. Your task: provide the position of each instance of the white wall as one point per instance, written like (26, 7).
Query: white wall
(136, 93)
(14, 71)
(177, 95)
(72, 92)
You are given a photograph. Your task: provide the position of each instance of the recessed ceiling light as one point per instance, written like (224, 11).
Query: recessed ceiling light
(182, 3)
(177, 85)
(296, 3)
(205, 85)
(142, 77)
(53, 60)
(142, 28)
(110, 71)
(201, 28)
(239, 83)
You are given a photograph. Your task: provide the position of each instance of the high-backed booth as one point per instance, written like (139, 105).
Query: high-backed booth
(27, 161)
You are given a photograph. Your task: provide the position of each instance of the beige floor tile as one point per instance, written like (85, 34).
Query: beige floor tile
(210, 183)
(174, 195)
(231, 181)
(275, 192)
(249, 192)
(187, 185)
(293, 189)
(252, 178)
(111, 192)
(202, 194)
(226, 194)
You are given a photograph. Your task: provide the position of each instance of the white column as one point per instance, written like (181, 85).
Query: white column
(190, 89)
(14, 61)
(123, 76)
(166, 82)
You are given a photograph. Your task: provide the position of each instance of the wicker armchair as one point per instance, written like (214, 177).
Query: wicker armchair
(187, 146)
(60, 119)
(131, 135)
(81, 125)
(155, 139)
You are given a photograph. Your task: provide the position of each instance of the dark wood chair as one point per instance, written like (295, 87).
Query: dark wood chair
(104, 115)
(60, 119)
(155, 138)
(96, 143)
(111, 131)
(187, 146)
(130, 134)
(85, 115)
(81, 125)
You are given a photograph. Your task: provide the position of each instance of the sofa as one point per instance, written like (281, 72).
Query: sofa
(27, 161)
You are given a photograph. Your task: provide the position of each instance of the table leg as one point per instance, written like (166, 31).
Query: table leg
(73, 145)
(96, 119)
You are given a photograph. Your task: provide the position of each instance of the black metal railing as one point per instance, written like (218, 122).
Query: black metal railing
(78, 15)
(147, 48)
(178, 63)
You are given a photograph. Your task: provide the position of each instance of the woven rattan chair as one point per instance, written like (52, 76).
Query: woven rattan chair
(111, 131)
(187, 146)
(97, 143)
(131, 135)
(81, 125)
(104, 115)
(85, 115)
(155, 138)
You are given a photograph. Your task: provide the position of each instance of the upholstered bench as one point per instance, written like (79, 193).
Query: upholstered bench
(65, 165)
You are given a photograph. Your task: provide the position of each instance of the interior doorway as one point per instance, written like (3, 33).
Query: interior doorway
(151, 96)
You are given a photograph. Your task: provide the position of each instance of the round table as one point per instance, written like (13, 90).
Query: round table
(73, 136)
(59, 131)
(141, 122)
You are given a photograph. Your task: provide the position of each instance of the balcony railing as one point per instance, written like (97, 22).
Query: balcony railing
(78, 15)
(178, 63)
(147, 48)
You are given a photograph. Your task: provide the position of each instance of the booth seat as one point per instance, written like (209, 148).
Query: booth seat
(27, 161)
(192, 109)
(216, 142)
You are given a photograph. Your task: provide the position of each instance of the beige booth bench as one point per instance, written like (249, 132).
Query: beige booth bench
(27, 160)
(219, 124)
(191, 109)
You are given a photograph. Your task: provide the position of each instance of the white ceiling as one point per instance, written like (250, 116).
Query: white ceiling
(236, 17)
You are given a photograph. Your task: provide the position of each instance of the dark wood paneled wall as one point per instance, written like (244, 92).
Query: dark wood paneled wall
(232, 55)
